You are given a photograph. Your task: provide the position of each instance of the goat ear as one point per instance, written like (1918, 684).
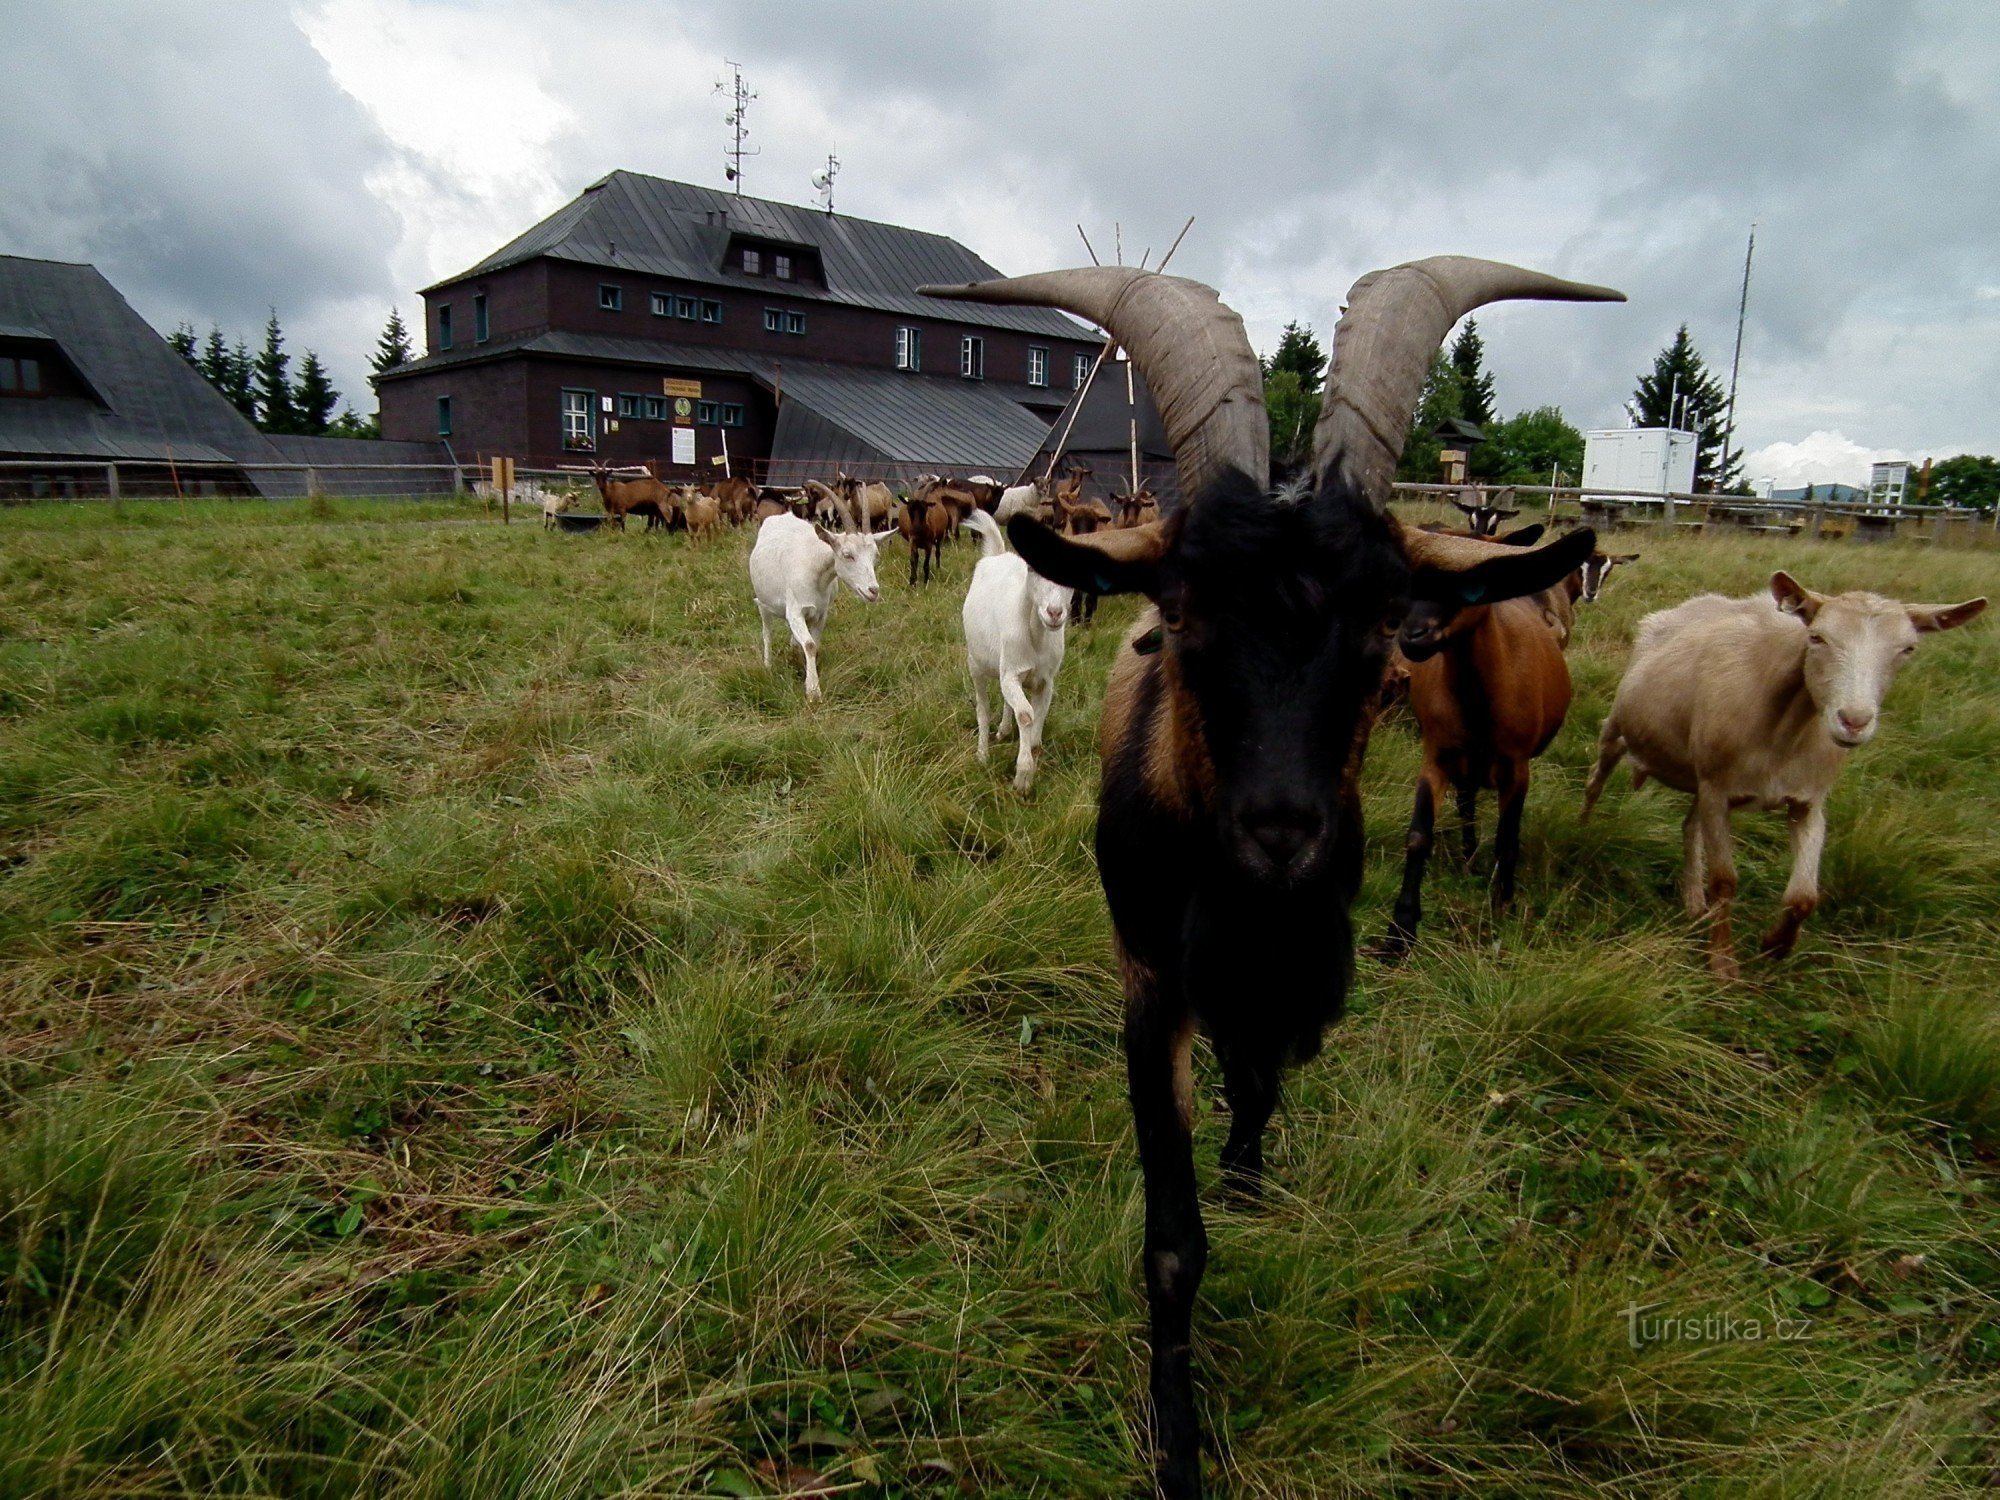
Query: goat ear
(1944, 616)
(1521, 536)
(1624, 557)
(1104, 562)
(825, 536)
(1507, 575)
(1794, 598)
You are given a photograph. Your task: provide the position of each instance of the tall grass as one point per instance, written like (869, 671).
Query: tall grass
(467, 1029)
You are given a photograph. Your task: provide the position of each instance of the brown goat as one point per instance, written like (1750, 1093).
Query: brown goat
(1081, 515)
(704, 515)
(644, 495)
(737, 497)
(925, 521)
(866, 504)
(1137, 508)
(1490, 689)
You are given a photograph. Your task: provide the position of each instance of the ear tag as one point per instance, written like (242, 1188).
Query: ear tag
(1103, 584)
(1149, 644)
(1472, 593)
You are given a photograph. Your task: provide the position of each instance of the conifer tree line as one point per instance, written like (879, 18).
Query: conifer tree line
(263, 386)
(1537, 446)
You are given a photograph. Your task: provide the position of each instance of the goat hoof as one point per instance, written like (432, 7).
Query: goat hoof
(1390, 948)
(1779, 941)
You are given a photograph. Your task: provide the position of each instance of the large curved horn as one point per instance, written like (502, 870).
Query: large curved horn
(1191, 349)
(1382, 347)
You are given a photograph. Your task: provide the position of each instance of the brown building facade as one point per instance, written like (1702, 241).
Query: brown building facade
(655, 322)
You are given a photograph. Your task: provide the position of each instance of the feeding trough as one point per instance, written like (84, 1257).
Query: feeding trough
(571, 521)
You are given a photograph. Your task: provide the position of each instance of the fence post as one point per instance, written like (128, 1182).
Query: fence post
(312, 482)
(1818, 514)
(111, 480)
(457, 480)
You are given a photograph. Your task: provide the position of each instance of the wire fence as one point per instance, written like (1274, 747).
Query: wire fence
(31, 481)
(1822, 520)
(25, 481)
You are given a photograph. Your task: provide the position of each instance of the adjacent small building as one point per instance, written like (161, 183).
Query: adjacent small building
(88, 387)
(650, 321)
(93, 401)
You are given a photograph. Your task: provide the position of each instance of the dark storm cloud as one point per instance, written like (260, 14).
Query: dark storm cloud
(211, 166)
(200, 156)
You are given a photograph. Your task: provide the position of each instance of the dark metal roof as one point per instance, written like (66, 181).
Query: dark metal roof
(153, 404)
(634, 223)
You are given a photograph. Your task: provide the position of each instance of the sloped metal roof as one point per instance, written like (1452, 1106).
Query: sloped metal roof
(630, 222)
(154, 405)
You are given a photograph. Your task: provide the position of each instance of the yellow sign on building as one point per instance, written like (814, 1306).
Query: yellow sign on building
(691, 388)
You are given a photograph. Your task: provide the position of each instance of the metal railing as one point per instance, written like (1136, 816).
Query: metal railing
(26, 481)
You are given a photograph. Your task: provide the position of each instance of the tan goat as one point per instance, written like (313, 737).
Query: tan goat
(1755, 703)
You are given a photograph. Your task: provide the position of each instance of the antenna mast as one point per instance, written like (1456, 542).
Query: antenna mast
(1736, 359)
(740, 99)
(824, 182)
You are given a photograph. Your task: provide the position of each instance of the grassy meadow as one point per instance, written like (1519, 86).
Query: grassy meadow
(466, 1030)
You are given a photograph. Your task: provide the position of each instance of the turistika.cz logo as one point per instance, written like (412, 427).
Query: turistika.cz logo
(1709, 1328)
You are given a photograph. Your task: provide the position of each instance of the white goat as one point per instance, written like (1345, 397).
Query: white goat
(794, 567)
(1019, 500)
(1755, 703)
(1014, 621)
(553, 501)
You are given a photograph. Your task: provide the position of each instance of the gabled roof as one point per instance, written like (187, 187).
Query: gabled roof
(649, 225)
(151, 404)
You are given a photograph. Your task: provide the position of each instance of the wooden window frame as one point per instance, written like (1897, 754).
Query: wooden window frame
(610, 297)
(1038, 366)
(971, 357)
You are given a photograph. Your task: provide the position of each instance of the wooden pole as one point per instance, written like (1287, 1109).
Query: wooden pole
(1132, 417)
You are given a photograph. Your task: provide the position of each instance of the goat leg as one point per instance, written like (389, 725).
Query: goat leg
(1250, 1083)
(1808, 830)
(1176, 1253)
(1711, 806)
(1402, 934)
(1507, 837)
(1468, 818)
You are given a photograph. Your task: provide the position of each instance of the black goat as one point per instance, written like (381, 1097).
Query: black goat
(1229, 820)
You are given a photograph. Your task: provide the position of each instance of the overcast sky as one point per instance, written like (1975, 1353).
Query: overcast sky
(332, 156)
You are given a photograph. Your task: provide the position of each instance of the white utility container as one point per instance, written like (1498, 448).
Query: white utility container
(1653, 460)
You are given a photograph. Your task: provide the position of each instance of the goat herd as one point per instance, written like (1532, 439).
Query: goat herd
(1238, 710)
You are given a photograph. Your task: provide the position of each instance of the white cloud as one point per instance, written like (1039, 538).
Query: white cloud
(1826, 458)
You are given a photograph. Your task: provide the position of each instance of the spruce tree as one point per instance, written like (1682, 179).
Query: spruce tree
(1299, 352)
(181, 341)
(1475, 385)
(393, 348)
(215, 359)
(1438, 402)
(275, 411)
(313, 396)
(239, 380)
(1681, 393)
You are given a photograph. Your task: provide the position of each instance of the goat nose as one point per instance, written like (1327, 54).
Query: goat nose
(1283, 832)
(1856, 721)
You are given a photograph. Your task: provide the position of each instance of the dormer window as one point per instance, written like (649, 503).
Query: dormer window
(610, 298)
(753, 261)
(781, 266)
(20, 376)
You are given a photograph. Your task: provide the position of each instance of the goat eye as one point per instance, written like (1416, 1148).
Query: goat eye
(1393, 626)
(1171, 617)
(1814, 638)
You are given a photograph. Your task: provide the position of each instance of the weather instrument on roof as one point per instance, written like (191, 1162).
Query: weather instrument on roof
(740, 98)
(823, 181)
